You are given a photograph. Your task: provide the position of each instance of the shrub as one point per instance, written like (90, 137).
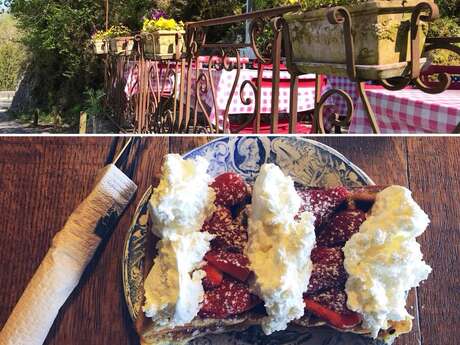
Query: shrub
(12, 54)
(444, 27)
(12, 57)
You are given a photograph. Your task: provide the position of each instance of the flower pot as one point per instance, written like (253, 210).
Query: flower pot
(161, 44)
(100, 47)
(381, 36)
(122, 45)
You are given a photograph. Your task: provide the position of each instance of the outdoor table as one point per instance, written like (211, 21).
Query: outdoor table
(406, 111)
(44, 179)
(409, 111)
(223, 81)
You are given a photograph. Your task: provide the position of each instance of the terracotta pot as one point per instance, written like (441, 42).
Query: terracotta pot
(161, 44)
(381, 36)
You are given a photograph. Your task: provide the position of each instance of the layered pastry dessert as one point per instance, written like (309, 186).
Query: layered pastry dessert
(223, 255)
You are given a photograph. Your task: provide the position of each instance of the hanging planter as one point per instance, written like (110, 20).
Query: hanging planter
(162, 38)
(100, 47)
(162, 44)
(99, 43)
(122, 45)
(380, 32)
(119, 40)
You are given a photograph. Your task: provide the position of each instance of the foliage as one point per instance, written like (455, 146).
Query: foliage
(58, 35)
(152, 25)
(449, 8)
(113, 32)
(156, 14)
(194, 10)
(117, 31)
(8, 30)
(12, 57)
(12, 54)
(99, 35)
(444, 27)
(93, 103)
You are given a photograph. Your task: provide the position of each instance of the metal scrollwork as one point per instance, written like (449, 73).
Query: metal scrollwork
(427, 12)
(340, 15)
(320, 107)
(395, 84)
(257, 29)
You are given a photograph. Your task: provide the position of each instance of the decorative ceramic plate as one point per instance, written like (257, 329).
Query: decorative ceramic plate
(308, 162)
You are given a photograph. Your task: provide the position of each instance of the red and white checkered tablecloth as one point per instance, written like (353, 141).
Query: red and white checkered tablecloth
(160, 78)
(409, 111)
(223, 81)
(405, 111)
(344, 84)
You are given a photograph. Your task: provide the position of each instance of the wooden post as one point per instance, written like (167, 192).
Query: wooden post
(106, 15)
(83, 120)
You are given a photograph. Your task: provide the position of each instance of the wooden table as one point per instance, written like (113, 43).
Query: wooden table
(43, 179)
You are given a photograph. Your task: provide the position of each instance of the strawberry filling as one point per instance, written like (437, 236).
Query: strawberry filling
(227, 270)
(234, 264)
(230, 298)
(213, 277)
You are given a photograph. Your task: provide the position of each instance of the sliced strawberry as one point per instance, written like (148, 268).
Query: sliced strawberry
(321, 202)
(334, 299)
(234, 264)
(213, 277)
(342, 321)
(328, 275)
(230, 233)
(325, 255)
(230, 189)
(340, 228)
(230, 298)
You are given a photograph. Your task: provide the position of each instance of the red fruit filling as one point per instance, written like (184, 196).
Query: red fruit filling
(342, 321)
(213, 277)
(234, 264)
(340, 228)
(231, 189)
(230, 233)
(322, 202)
(230, 298)
(227, 269)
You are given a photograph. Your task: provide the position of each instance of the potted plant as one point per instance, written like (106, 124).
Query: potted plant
(100, 44)
(121, 41)
(380, 31)
(160, 37)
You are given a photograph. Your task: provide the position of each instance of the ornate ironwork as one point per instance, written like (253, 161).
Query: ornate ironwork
(179, 95)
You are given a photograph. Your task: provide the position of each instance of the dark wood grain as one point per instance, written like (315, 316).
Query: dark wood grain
(43, 179)
(435, 181)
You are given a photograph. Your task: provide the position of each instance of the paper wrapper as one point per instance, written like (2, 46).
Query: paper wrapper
(72, 249)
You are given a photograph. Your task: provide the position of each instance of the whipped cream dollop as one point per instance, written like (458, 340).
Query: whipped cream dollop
(178, 208)
(183, 200)
(384, 260)
(279, 248)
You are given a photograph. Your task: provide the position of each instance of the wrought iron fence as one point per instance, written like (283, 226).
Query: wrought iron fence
(177, 93)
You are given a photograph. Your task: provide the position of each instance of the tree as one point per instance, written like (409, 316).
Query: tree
(12, 53)
(57, 33)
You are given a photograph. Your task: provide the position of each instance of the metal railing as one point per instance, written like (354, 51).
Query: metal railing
(148, 95)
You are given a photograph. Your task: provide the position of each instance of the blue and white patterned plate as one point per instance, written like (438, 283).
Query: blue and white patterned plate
(308, 162)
